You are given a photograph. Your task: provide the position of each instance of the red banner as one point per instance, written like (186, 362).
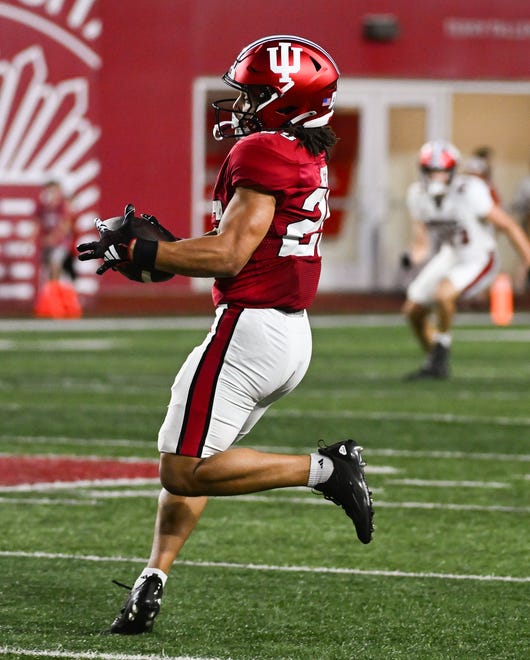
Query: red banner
(49, 63)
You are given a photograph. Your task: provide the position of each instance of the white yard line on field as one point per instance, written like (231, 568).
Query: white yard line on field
(445, 418)
(75, 484)
(60, 345)
(275, 499)
(97, 496)
(445, 483)
(495, 335)
(309, 499)
(109, 324)
(88, 655)
(94, 458)
(420, 453)
(410, 416)
(271, 568)
(74, 441)
(123, 442)
(48, 500)
(348, 393)
(413, 453)
(204, 322)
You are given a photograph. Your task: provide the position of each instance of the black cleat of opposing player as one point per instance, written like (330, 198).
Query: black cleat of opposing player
(140, 609)
(347, 486)
(435, 367)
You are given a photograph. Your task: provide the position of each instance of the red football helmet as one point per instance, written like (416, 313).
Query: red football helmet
(437, 157)
(288, 81)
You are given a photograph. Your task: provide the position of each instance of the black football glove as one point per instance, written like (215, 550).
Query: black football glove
(113, 246)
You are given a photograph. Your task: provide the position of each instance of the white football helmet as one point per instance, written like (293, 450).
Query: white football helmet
(438, 161)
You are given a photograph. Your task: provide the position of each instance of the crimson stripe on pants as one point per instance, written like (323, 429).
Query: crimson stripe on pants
(483, 273)
(202, 390)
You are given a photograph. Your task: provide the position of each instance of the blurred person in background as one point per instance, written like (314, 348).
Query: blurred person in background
(54, 230)
(454, 221)
(481, 164)
(520, 207)
(54, 219)
(521, 203)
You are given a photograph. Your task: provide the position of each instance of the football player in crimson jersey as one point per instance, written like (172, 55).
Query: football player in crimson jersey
(454, 223)
(270, 204)
(54, 219)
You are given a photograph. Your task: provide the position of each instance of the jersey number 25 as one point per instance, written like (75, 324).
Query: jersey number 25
(302, 238)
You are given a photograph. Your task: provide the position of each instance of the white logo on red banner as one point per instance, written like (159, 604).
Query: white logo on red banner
(48, 129)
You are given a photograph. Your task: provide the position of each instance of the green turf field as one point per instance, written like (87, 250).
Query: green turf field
(279, 575)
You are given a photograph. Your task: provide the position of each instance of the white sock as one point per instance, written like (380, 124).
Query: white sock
(320, 469)
(443, 338)
(150, 571)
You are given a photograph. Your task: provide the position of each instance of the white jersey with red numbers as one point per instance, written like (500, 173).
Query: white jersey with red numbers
(458, 221)
(463, 242)
(284, 270)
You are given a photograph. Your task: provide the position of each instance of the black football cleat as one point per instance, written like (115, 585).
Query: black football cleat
(427, 373)
(140, 609)
(347, 486)
(436, 366)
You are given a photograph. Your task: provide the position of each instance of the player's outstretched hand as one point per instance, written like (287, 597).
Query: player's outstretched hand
(113, 245)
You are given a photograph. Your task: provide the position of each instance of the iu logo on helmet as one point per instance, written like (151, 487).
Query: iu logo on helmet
(285, 68)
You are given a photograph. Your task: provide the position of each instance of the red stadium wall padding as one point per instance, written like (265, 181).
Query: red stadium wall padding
(99, 95)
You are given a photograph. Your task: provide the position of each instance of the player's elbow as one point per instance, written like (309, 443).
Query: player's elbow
(229, 268)
(230, 263)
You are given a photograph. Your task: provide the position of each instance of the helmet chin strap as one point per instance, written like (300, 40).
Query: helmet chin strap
(217, 129)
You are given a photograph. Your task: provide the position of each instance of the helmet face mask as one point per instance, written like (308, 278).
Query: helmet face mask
(437, 162)
(436, 182)
(244, 113)
(239, 124)
(288, 80)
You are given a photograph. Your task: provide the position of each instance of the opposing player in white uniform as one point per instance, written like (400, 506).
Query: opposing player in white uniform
(454, 223)
(270, 205)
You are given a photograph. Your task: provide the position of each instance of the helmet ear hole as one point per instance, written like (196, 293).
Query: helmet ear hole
(263, 94)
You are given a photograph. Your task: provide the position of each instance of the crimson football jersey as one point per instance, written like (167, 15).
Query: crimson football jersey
(284, 270)
(51, 216)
